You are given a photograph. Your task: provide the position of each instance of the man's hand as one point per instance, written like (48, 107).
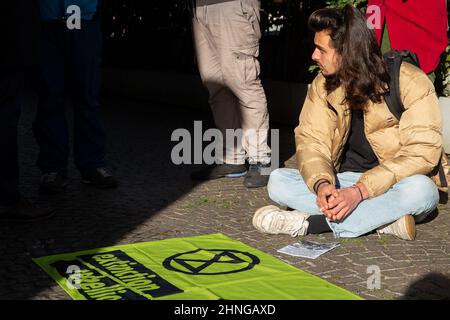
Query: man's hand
(342, 202)
(325, 191)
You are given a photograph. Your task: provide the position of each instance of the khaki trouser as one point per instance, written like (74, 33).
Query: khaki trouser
(226, 37)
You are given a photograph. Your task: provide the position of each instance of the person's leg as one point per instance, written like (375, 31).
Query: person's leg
(10, 86)
(84, 54)
(13, 206)
(50, 126)
(223, 102)
(239, 34)
(287, 188)
(416, 195)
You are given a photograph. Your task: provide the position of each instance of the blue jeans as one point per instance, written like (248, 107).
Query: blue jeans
(70, 57)
(416, 195)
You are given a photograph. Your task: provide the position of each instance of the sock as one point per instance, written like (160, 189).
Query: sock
(318, 224)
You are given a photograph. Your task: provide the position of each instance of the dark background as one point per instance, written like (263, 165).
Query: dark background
(156, 35)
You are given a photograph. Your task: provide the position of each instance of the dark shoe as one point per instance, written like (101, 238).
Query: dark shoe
(255, 178)
(216, 171)
(52, 183)
(24, 211)
(100, 178)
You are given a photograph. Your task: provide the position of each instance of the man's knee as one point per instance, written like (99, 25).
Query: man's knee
(280, 182)
(276, 184)
(419, 191)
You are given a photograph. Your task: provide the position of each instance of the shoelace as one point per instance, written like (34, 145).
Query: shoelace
(253, 167)
(386, 229)
(296, 227)
(258, 166)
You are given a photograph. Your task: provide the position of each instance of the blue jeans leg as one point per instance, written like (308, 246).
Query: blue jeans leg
(416, 195)
(50, 127)
(89, 131)
(287, 188)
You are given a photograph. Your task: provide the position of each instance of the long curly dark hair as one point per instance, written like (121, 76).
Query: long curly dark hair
(363, 72)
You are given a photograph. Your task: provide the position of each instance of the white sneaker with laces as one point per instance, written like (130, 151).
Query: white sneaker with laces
(273, 220)
(404, 228)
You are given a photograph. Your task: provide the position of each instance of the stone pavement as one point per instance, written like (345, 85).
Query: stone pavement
(157, 200)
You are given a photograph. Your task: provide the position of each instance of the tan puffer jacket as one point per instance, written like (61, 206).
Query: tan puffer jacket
(411, 146)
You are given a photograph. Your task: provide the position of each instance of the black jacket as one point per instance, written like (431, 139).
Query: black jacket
(19, 30)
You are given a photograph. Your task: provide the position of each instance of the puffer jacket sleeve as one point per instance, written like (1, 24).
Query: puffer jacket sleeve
(420, 136)
(313, 136)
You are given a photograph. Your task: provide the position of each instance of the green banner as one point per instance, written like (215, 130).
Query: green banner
(195, 268)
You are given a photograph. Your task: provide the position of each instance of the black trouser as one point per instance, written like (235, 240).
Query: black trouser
(73, 56)
(10, 100)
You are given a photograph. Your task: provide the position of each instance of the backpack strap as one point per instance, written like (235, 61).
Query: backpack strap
(394, 61)
(393, 100)
(442, 177)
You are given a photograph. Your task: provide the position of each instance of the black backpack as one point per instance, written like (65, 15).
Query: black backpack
(393, 100)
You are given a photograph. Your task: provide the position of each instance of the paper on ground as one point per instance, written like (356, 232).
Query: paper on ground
(308, 249)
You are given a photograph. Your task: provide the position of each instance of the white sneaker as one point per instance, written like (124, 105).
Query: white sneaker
(273, 220)
(404, 228)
